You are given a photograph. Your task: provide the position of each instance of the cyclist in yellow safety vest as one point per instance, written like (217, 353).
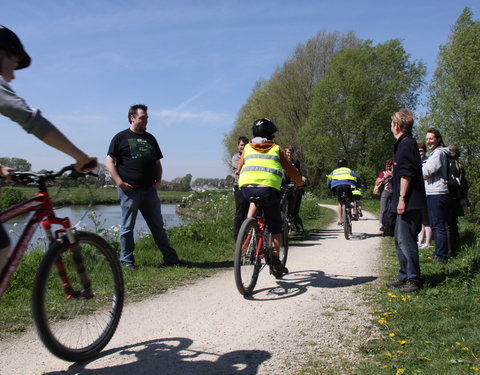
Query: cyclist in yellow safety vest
(341, 180)
(357, 196)
(260, 174)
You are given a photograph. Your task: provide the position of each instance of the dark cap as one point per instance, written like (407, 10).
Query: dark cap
(10, 42)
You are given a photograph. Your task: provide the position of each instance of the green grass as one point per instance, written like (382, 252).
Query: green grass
(206, 245)
(434, 331)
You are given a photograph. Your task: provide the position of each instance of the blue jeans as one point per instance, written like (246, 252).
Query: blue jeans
(437, 214)
(147, 202)
(407, 227)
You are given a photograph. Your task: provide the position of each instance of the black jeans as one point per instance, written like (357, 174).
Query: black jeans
(241, 210)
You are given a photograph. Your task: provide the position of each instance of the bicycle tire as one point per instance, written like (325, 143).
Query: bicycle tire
(284, 248)
(346, 229)
(77, 329)
(246, 265)
(349, 220)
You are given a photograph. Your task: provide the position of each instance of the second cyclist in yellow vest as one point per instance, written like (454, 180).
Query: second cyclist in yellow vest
(260, 174)
(340, 180)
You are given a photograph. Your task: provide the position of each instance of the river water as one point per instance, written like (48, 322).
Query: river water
(99, 217)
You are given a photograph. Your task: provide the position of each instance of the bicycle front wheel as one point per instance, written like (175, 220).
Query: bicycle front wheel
(246, 265)
(77, 327)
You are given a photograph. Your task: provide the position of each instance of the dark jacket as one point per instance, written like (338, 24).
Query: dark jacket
(407, 163)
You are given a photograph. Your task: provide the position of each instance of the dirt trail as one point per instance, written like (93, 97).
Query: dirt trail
(209, 328)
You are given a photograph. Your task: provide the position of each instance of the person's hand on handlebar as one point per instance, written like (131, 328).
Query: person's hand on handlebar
(86, 164)
(5, 172)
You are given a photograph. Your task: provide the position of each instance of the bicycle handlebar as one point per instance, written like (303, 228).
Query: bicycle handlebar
(26, 177)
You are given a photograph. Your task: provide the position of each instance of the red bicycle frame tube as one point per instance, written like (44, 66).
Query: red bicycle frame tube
(41, 205)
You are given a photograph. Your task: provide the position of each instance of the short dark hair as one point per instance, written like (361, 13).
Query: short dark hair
(134, 108)
(242, 138)
(422, 145)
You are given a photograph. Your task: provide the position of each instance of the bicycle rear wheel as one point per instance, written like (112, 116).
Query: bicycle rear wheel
(246, 265)
(284, 248)
(345, 222)
(78, 328)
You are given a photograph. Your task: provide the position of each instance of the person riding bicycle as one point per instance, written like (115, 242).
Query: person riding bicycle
(260, 175)
(357, 197)
(14, 57)
(341, 180)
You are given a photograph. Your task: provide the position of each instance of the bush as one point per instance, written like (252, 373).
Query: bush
(10, 196)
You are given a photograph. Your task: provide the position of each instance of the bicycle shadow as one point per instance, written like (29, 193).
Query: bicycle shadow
(171, 356)
(296, 283)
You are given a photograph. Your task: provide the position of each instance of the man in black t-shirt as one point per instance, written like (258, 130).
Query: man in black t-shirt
(134, 163)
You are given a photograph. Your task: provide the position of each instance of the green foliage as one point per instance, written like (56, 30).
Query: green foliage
(10, 196)
(454, 96)
(351, 107)
(285, 97)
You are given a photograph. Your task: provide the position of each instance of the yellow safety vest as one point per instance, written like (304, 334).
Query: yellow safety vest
(342, 173)
(261, 168)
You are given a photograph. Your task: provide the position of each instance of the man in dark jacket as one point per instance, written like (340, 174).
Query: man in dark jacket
(408, 199)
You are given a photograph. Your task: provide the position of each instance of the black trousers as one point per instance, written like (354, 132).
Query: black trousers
(241, 210)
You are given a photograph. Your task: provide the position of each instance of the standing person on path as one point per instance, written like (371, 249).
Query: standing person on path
(408, 200)
(260, 170)
(426, 232)
(343, 179)
(241, 204)
(384, 180)
(134, 163)
(295, 200)
(435, 171)
(14, 57)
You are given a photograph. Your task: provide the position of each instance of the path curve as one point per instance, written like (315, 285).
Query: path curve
(209, 328)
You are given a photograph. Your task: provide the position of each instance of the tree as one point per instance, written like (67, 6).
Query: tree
(454, 95)
(16, 163)
(285, 97)
(351, 107)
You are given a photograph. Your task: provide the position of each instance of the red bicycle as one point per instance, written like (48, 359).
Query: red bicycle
(78, 293)
(253, 250)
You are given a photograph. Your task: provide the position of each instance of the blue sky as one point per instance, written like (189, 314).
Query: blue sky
(194, 63)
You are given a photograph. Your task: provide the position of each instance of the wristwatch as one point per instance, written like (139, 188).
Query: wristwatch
(401, 196)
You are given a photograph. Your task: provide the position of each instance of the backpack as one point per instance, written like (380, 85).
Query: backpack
(456, 181)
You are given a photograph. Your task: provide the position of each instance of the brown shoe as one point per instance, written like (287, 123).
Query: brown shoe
(409, 287)
(397, 283)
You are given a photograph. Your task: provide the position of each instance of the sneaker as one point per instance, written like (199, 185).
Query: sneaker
(409, 287)
(396, 284)
(339, 223)
(277, 269)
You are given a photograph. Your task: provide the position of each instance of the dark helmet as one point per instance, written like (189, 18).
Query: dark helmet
(342, 163)
(9, 42)
(264, 128)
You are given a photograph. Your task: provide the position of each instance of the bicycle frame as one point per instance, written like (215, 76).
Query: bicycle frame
(41, 206)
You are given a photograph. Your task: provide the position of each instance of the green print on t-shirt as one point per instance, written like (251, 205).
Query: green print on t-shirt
(140, 148)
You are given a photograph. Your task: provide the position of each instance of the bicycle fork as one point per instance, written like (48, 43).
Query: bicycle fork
(75, 251)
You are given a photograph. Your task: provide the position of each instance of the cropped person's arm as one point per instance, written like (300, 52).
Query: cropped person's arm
(158, 181)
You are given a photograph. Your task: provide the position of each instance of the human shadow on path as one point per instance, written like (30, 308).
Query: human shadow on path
(296, 283)
(172, 356)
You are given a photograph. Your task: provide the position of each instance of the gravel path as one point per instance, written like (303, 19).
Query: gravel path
(314, 312)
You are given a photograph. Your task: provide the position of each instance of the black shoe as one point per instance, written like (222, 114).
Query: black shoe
(277, 269)
(179, 263)
(439, 259)
(409, 287)
(396, 284)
